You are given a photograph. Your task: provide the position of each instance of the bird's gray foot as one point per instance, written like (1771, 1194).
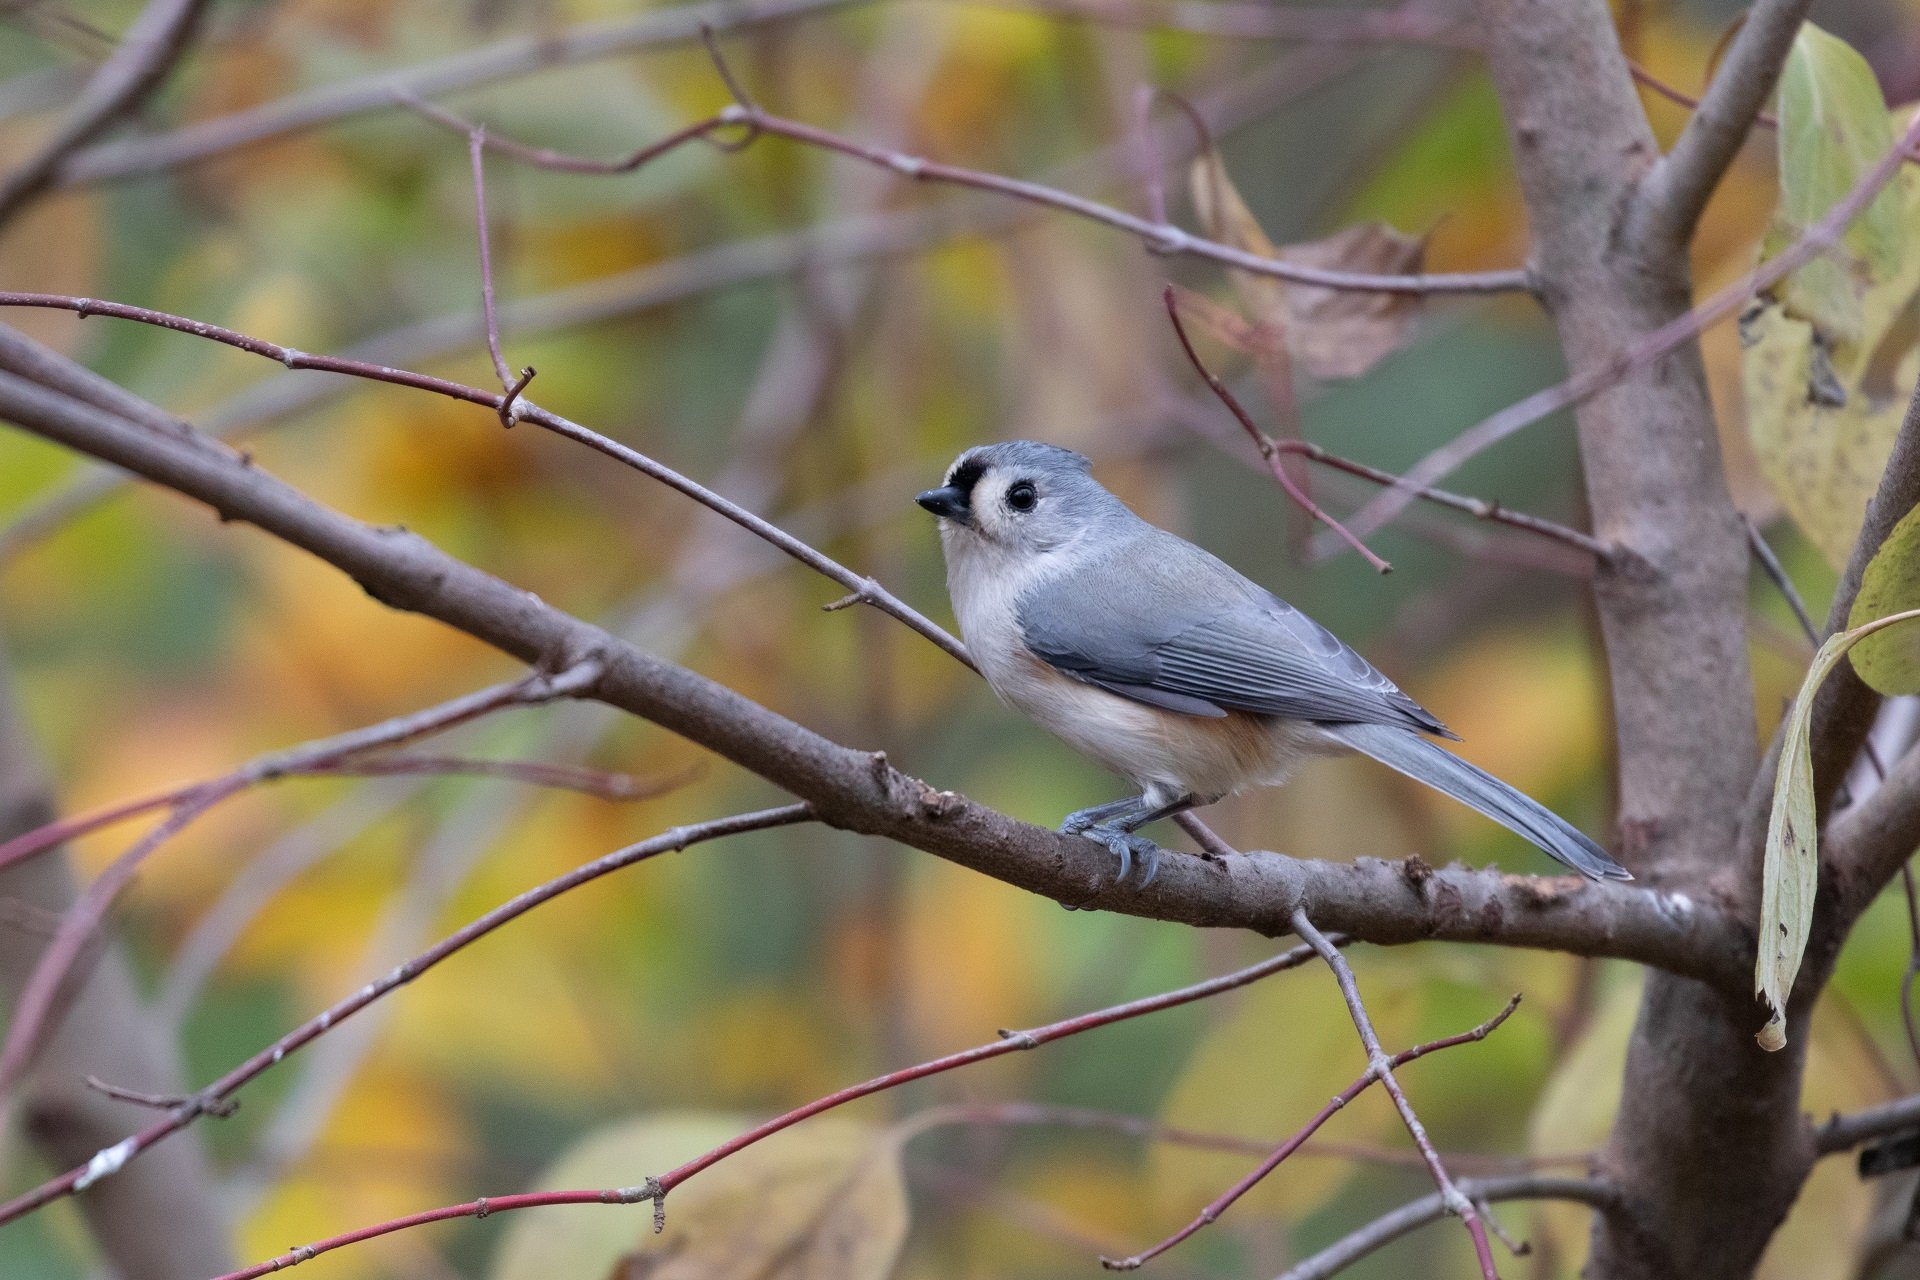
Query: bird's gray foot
(1126, 846)
(1080, 820)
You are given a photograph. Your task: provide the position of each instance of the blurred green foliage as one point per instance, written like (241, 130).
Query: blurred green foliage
(153, 644)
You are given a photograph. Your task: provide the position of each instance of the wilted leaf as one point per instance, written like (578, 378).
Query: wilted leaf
(1834, 128)
(1342, 333)
(821, 1201)
(1793, 851)
(1819, 433)
(1890, 661)
(1331, 333)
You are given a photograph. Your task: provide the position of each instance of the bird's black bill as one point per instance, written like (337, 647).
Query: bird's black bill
(949, 503)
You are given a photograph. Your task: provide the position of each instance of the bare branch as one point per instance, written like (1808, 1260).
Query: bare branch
(1261, 440)
(38, 998)
(856, 239)
(515, 56)
(1383, 1230)
(657, 1188)
(112, 1159)
(1675, 191)
(1054, 1114)
(292, 358)
(1379, 901)
(1235, 19)
(1661, 342)
(145, 56)
(1159, 237)
(1381, 1067)
(1225, 1200)
(1844, 1133)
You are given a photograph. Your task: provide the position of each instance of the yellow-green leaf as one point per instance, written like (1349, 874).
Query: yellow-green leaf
(1821, 427)
(1793, 850)
(1833, 129)
(824, 1200)
(1890, 661)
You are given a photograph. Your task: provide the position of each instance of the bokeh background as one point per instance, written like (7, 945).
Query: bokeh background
(816, 339)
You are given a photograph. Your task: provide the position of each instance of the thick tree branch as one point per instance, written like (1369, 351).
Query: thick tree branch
(1844, 1133)
(1676, 190)
(1869, 843)
(164, 1221)
(1707, 1146)
(1369, 899)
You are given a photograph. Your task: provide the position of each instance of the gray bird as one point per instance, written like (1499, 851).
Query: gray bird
(1168, 667)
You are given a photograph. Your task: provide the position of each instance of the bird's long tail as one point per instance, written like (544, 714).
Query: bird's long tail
(1421, 760)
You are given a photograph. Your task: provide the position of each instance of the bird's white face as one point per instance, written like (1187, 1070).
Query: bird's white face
(1006, 503)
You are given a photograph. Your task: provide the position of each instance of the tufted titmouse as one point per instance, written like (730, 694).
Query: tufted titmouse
(1164, 664)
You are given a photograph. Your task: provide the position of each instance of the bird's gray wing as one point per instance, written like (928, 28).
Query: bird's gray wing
(1183, 631)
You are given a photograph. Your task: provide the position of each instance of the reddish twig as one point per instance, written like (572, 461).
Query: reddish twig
(294, 358)
(38, 997)
(1821, 237)
(1376, 1072)
(1378, 1064)
(656, 1189)
(1159, 237)
(112, 1159)
(1261, 440)
(335, 756)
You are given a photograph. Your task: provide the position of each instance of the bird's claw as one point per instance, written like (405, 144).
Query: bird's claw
(1125, 845)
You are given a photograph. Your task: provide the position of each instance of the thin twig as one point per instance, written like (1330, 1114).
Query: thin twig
(1261, 440)
(527, 54)
(218, 1107)
(112, 1159)
(1224, 1201)
(1777, 574)
(1132, 1126)
(35, 1008)
(657, 1188)
(145, 56)
(895, 232)
(1819, 238)
(1479, 508)
(1383, 1230)
(477, 158)
(1159, 237)
(1450, 1195)
(506, 59)
(294, 358)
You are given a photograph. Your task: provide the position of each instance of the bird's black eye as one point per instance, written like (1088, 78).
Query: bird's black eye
(1020, 496)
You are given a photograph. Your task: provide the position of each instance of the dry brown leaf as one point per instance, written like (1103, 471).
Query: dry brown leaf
(1330, 333)
(1342, 333)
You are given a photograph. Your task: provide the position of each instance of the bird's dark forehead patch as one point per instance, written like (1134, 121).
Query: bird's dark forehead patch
(1015, 455)
(967, 472)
